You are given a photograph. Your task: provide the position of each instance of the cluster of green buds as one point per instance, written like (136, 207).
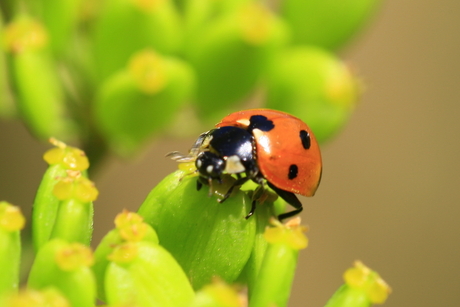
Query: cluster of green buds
(113, 74)
(181, 249)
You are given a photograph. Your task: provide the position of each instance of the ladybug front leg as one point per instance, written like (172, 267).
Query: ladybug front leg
(199, 183)
(207, 181)
(291, 199)
(238, 182)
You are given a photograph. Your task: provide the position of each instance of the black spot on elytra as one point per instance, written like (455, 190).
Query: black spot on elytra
(293, 170)
(305, 138)
(260, 122)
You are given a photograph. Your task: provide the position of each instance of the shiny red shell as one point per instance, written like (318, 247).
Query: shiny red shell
(280, 148)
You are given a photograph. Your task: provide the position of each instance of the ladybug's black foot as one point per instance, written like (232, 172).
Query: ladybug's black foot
(240, 181)
(203, 181)
(199, 185)
(291, 199)
(289, 214)
(253, 209)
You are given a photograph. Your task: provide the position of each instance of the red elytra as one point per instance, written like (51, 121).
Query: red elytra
(288, 155)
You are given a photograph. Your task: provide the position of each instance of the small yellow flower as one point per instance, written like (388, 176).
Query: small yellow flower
(11, 218)
(24, 34)
(124, 253)
(361, 277)
(75, 186)
(148, 69)
(131, 226)
(69, 157)
(74, 256)
(291, 233)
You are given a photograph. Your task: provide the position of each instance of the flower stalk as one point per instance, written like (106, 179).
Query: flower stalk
(11, 222)
(63, 204)
(276, 274)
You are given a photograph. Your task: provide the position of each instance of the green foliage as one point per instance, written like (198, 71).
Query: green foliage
(313, 82)
(327, 23)
(114, 74)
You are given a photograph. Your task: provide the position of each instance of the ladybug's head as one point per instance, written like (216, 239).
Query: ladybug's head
(210, 165)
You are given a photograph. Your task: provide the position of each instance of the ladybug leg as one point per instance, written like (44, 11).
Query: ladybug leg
(201, 181)
(238, 182)
(253, 209)
(256, 196)
(291, 199)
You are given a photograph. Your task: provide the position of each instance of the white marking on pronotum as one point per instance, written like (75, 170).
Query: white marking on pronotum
(262, 140)
(209, 169)
(244, 122)
(234, 165)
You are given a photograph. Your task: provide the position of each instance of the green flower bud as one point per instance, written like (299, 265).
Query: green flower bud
(199, 13)
(138, 102)
(11, 222)
(48, 297)
(145, 274)
(207, 238)
(328, 24)
(362, 288)
(314, 85)
(218, 294)
(269, 205)
(40, 100)
(65, 266)
(24, 34)
(7, 109)
(46, 206)
(251, 270)
(77, 187)
(229, 56)
(129, 228)
(61, 159)
(74, 219)
(74, 222)
(128, 26)
(273, 284)
(60, 19)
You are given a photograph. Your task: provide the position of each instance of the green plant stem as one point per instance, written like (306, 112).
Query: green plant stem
(96, 150)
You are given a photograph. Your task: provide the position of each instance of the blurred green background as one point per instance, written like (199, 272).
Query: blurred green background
(389, 194)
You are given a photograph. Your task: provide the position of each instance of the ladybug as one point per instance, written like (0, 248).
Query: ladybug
(263, 145)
